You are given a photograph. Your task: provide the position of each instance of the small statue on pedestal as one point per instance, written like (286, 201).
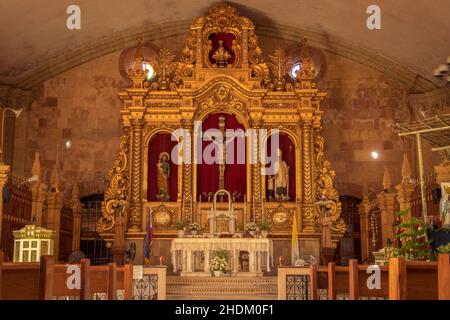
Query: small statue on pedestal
(163, 168)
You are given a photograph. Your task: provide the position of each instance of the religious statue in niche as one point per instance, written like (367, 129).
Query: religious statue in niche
(163, 167)
(445, 204)
(325, 222)
(278, 184)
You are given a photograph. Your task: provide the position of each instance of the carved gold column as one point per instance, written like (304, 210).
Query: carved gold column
(308, 216)
(54, 206)
(187, 196)
(135, 213)
(256, 175)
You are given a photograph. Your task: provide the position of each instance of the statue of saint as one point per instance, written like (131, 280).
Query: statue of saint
(445, 205)
(325, 222)
(163, 168)
(281, 178)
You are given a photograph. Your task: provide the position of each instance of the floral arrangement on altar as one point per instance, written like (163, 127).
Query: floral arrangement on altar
(220, 261)
(251, 226)
(194, 227)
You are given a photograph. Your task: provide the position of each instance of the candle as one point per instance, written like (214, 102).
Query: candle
(200, 210)
(244, 218)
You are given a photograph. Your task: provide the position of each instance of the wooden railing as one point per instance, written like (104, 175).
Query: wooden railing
(401, 280)
(49, 281)
(16, 212)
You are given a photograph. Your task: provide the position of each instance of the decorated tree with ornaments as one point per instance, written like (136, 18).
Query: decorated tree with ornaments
(414, 244)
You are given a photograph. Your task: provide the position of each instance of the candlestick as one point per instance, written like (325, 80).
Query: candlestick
(244, 218)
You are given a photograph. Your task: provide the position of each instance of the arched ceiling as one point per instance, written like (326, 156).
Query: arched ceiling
(36, 45)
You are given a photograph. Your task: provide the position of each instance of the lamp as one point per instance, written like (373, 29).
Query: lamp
(443, 71)
(16, 114)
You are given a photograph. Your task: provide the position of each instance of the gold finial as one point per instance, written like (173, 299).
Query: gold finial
(139, 55)
(221, 55)
(279, 66)
(75, 192)
(406, 170)
(54, 179)
(387, 184)
(164, 66)
(307, 70)
(137, 74)
(36, 168)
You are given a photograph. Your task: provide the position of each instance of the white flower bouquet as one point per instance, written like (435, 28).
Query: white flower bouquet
(218, 264)
(251, 226)
(194, 227)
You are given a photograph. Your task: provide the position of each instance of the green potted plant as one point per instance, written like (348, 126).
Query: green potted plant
(251, 227)
(194, 228)
(264, 227)
(180, 227)
(219, 262)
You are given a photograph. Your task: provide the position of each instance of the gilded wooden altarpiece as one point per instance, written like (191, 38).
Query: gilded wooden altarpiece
(256, 92)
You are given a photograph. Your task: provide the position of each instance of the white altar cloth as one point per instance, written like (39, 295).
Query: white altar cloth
(183, 250)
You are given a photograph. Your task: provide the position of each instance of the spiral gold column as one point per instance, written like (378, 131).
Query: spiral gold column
(307, 177)
(256, 177)
(135, 213)
(187, 174)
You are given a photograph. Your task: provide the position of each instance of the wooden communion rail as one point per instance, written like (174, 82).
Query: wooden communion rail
(401, 280)
(50, 281)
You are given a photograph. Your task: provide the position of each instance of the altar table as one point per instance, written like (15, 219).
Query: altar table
(185, 251)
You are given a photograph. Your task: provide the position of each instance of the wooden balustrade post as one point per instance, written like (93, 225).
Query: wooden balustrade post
(112, 281)
(46, 275)
(397, 279)
(76, 210)
(331, 281)
(85, 290)
(55, 204)
(1, 272)
(353, 277)
(313, 281)
(4, 172)
(128, 282)
(444, 276)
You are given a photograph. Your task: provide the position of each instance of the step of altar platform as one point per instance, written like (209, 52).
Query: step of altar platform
(221, 288)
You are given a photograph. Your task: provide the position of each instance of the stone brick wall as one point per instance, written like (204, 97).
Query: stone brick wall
(82, 105)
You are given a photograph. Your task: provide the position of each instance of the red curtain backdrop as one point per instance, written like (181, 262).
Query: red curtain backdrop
(227, 39)
(161, 143)
(288, 154)
(208, 174)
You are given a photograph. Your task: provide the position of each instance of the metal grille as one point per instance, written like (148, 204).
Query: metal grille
(146, 288)
(297, 287)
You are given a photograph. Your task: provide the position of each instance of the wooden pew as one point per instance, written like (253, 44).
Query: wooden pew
(93, 279)
(18, 281)
(444, 276)
(412, 280)
(1, 273)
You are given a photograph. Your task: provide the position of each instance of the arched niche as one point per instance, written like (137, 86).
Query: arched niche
(235, 176)
(288, 149)
(161, 142)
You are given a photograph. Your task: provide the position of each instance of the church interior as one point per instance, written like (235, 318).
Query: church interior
(198, 150)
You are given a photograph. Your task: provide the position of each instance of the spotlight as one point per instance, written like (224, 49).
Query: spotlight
(375, 154)
(68, 144)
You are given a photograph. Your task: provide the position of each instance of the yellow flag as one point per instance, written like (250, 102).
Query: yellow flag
(295, 252)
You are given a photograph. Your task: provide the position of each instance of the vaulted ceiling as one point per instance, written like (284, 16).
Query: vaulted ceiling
(35, 43)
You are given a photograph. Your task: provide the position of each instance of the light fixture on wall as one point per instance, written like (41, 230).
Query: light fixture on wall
(151, 72)
(16, 114)
(443, 71)
(68, 144)
(375, 155)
